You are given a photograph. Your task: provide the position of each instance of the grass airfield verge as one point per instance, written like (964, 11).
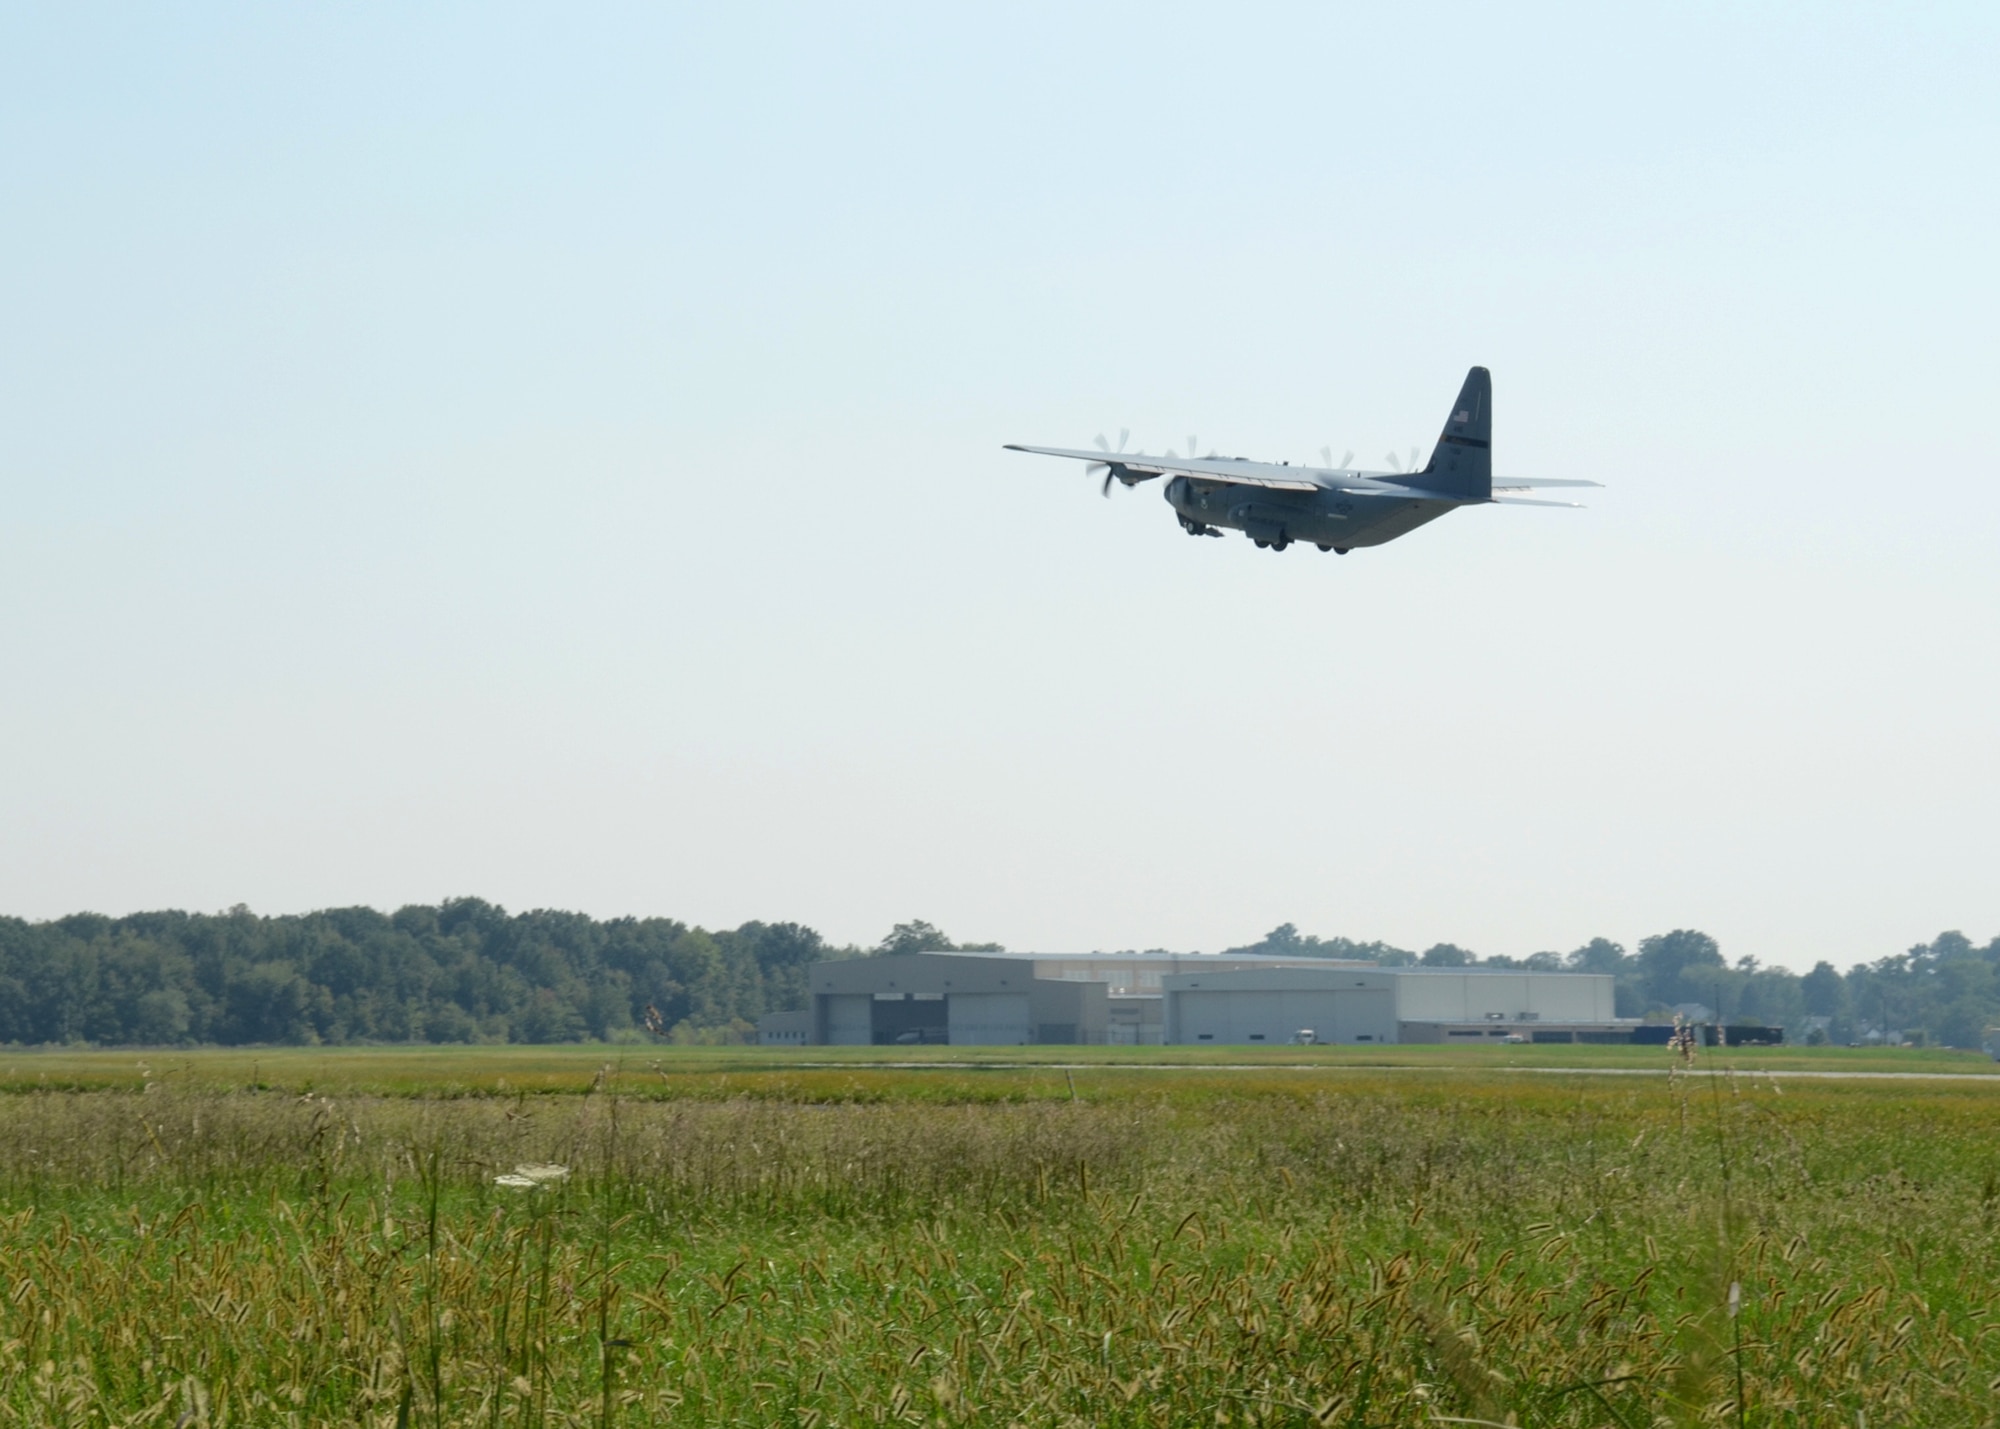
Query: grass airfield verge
(639, 1070)
(1060, 1236)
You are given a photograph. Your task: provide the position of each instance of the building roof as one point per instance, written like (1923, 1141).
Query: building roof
(1276, 960)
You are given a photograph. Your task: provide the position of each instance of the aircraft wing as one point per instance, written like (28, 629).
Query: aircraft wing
(1234, 473)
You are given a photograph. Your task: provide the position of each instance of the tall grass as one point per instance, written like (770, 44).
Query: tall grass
(1405, 1250)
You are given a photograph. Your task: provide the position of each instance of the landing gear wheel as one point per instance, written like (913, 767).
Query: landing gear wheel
(1281, 543)
(1323, 545)
(1261, 544)
(1342, 550)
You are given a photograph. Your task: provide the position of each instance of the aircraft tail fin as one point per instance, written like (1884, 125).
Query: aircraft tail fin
(1462, 464)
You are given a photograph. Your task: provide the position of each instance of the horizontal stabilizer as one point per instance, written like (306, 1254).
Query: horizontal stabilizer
(1530, 501)
(1529, 483)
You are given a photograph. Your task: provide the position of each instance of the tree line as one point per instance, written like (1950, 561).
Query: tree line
(468, 971)
(462, 971)
(1945, 992)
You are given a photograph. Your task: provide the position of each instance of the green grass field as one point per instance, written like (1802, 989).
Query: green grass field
(458, 1070)
(1050, 1236)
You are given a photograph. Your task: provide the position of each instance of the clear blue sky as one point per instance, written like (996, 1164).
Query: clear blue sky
(554, 454)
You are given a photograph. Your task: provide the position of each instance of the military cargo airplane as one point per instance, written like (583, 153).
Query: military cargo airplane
(1335, 507)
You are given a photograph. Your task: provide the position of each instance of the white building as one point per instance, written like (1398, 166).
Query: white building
(1360, 1004)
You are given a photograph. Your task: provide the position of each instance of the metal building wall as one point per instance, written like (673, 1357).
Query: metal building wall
(1274, 1018)
(1266, 1006)
(1424, 996)
(990, 1019)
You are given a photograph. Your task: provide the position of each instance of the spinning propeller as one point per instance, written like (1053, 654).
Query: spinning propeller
(1326, 455)
(1115, 470)
(1399, 466)
(1108, 468)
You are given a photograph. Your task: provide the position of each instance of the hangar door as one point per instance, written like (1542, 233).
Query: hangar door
(1203, 1016)
(988, 1019)
(1270, 1016)
(850, 1020)
(1358, 1014)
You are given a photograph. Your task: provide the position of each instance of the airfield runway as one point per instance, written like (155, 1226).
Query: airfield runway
(1333, 1067)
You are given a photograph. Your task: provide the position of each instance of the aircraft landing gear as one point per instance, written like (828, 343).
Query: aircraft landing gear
(1281, 543)
(1323, 545)
(1342, 550)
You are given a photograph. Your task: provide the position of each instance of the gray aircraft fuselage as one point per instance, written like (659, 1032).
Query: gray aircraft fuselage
(1331, 520)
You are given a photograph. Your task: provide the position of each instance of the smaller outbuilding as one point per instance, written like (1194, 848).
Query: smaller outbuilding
(785, 1029)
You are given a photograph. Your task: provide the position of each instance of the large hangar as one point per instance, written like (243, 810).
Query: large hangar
(994, 999)
(1018, 999)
